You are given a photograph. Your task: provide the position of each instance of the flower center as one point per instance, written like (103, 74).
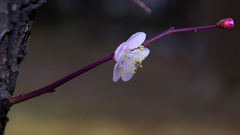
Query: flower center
(133, 57)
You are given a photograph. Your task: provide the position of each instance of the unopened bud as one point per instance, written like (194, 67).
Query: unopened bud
(226, 23)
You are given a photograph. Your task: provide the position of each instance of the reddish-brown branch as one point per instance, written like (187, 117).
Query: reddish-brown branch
(173, 30)
(51, 87)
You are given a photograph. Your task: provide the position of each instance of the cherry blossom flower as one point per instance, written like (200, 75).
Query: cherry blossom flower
(129, 56)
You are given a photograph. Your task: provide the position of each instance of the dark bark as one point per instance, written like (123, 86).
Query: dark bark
(16, 19)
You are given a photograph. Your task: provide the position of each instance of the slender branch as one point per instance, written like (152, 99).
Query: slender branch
(51, 87)
(173, 30)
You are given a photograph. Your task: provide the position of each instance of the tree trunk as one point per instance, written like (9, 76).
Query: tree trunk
(16, 19)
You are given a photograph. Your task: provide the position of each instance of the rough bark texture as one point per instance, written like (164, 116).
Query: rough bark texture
(16, 19)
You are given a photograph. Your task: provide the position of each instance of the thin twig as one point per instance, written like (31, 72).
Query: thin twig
(51, 87)
(173, 30)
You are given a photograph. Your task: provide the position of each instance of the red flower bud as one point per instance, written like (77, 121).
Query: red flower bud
(226, 23)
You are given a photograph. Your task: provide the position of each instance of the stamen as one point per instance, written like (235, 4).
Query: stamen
(133, 59)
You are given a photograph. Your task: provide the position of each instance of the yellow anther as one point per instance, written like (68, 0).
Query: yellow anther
(140, 65)
(120, 66)
(129, 69)
(134, 72)
(131, 72)
(120, 73)
(143, 57)
(130, 63)
(127, 73)
(126, 70)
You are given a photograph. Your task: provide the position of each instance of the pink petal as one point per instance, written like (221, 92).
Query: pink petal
(136, 40)
(127, 75)
(119, 51)
(229, 23)
(116, 72)
(145, 52)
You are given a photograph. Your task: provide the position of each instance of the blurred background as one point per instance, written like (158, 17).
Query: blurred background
(189, 84)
